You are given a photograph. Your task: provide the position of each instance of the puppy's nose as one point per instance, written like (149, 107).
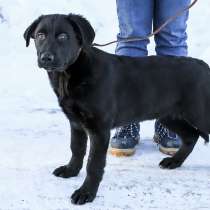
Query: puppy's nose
(47, 57)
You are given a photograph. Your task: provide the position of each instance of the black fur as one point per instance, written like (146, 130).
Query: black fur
(98, 91)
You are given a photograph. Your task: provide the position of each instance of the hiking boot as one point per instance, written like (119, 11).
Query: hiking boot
(125, 139)
(168, 141)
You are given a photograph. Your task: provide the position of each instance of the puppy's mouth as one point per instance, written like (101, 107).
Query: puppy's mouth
(53, 68)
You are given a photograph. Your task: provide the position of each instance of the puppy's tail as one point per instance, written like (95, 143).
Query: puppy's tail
(205, 136)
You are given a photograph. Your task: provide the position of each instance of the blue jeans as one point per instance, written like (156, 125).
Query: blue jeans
(136, 18)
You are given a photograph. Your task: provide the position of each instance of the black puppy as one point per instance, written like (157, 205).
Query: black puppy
(98, 91)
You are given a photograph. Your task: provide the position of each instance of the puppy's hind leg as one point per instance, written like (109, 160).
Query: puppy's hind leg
(189, 136)
(78, 148)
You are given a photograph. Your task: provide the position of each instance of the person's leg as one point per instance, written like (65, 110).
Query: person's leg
(171, 40)
(135, 19)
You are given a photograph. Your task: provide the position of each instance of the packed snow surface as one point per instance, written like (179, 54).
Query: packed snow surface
(35, 134)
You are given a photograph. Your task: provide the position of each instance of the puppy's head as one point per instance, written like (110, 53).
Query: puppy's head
(59, 39)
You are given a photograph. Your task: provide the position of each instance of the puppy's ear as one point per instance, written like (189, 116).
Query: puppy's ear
(84, 31)
(29, 32)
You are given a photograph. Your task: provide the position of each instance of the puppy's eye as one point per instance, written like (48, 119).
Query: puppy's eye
(62, 37)
(41, 36)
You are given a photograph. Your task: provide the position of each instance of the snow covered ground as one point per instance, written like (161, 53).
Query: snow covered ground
(34, 134)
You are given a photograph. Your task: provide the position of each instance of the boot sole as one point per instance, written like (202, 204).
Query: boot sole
(121, 152)
(168, 151)
(164, 150)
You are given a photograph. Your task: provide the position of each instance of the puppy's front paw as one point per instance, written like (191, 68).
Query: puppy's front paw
(170, 163)
(65, 172)
(82, 196)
